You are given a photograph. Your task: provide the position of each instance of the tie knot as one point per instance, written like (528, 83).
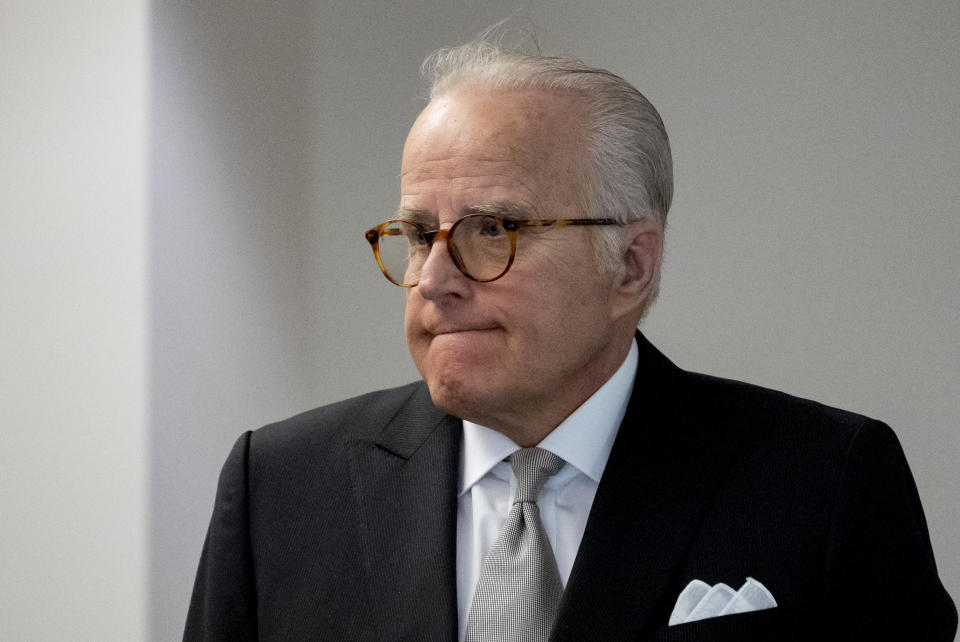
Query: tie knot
(532, 467)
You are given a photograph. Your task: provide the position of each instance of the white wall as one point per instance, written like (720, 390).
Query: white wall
(72, 311)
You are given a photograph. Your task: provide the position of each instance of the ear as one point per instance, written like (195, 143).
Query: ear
(639, 277)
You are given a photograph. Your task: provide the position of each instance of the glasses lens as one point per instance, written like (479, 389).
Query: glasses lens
(403, 249)
(483, 246)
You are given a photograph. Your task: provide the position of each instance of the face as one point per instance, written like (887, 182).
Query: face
(523, 351)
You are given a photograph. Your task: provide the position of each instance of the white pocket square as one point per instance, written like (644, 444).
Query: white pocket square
(700, 600)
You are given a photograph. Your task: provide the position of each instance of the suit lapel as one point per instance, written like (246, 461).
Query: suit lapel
(405, 482)
(665, 466)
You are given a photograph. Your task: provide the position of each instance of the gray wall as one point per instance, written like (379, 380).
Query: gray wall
(813, 246)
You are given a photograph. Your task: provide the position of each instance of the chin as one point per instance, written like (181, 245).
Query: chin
(461, 374)
(462, 394)
(454, 397)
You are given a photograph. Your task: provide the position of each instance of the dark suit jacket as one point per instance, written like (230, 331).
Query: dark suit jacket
(340, 523)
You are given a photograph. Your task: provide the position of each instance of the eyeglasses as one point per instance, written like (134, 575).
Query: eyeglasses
(482, 246)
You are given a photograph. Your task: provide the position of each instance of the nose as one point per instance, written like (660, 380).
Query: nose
(440, 279)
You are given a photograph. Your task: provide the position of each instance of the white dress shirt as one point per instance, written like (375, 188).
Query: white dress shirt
(487, 484)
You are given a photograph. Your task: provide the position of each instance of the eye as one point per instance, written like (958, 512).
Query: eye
(490, 227)
(415, 235)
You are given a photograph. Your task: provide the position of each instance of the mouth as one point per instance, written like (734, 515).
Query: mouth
(442, 331)
(446, 330)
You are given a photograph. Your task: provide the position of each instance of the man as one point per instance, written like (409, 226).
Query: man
(636, 500)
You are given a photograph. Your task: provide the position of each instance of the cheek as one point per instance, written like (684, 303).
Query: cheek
(569, 321)
(563, 292)
(416, 340)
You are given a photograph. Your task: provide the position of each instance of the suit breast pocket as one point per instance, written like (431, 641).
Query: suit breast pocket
(770, 624)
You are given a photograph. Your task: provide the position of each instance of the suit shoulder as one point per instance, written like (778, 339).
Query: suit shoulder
(357, 417)
(780, 415)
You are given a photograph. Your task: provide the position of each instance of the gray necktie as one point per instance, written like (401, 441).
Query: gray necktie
(519, 587)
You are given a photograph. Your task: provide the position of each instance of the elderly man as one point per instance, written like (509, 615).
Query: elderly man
(554, 476)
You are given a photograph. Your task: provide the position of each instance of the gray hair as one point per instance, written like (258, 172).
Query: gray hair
(629, 166)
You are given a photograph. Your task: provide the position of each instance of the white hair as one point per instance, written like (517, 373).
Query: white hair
(629, 172)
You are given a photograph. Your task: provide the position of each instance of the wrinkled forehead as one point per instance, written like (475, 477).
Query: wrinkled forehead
(533, 136)
(533, 118)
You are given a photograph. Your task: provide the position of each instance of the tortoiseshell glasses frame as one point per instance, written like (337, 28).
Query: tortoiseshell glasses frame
(489, 226)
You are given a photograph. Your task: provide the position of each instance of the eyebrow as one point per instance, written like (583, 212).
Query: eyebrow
(496, 208)
(501, 208)
(422, 217)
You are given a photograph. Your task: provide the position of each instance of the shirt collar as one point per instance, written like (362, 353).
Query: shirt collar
(584, 439)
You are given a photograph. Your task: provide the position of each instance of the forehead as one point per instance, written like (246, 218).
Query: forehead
(477, 144)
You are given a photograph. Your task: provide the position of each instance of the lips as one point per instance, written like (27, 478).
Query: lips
(458, 326)
(440, 330)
